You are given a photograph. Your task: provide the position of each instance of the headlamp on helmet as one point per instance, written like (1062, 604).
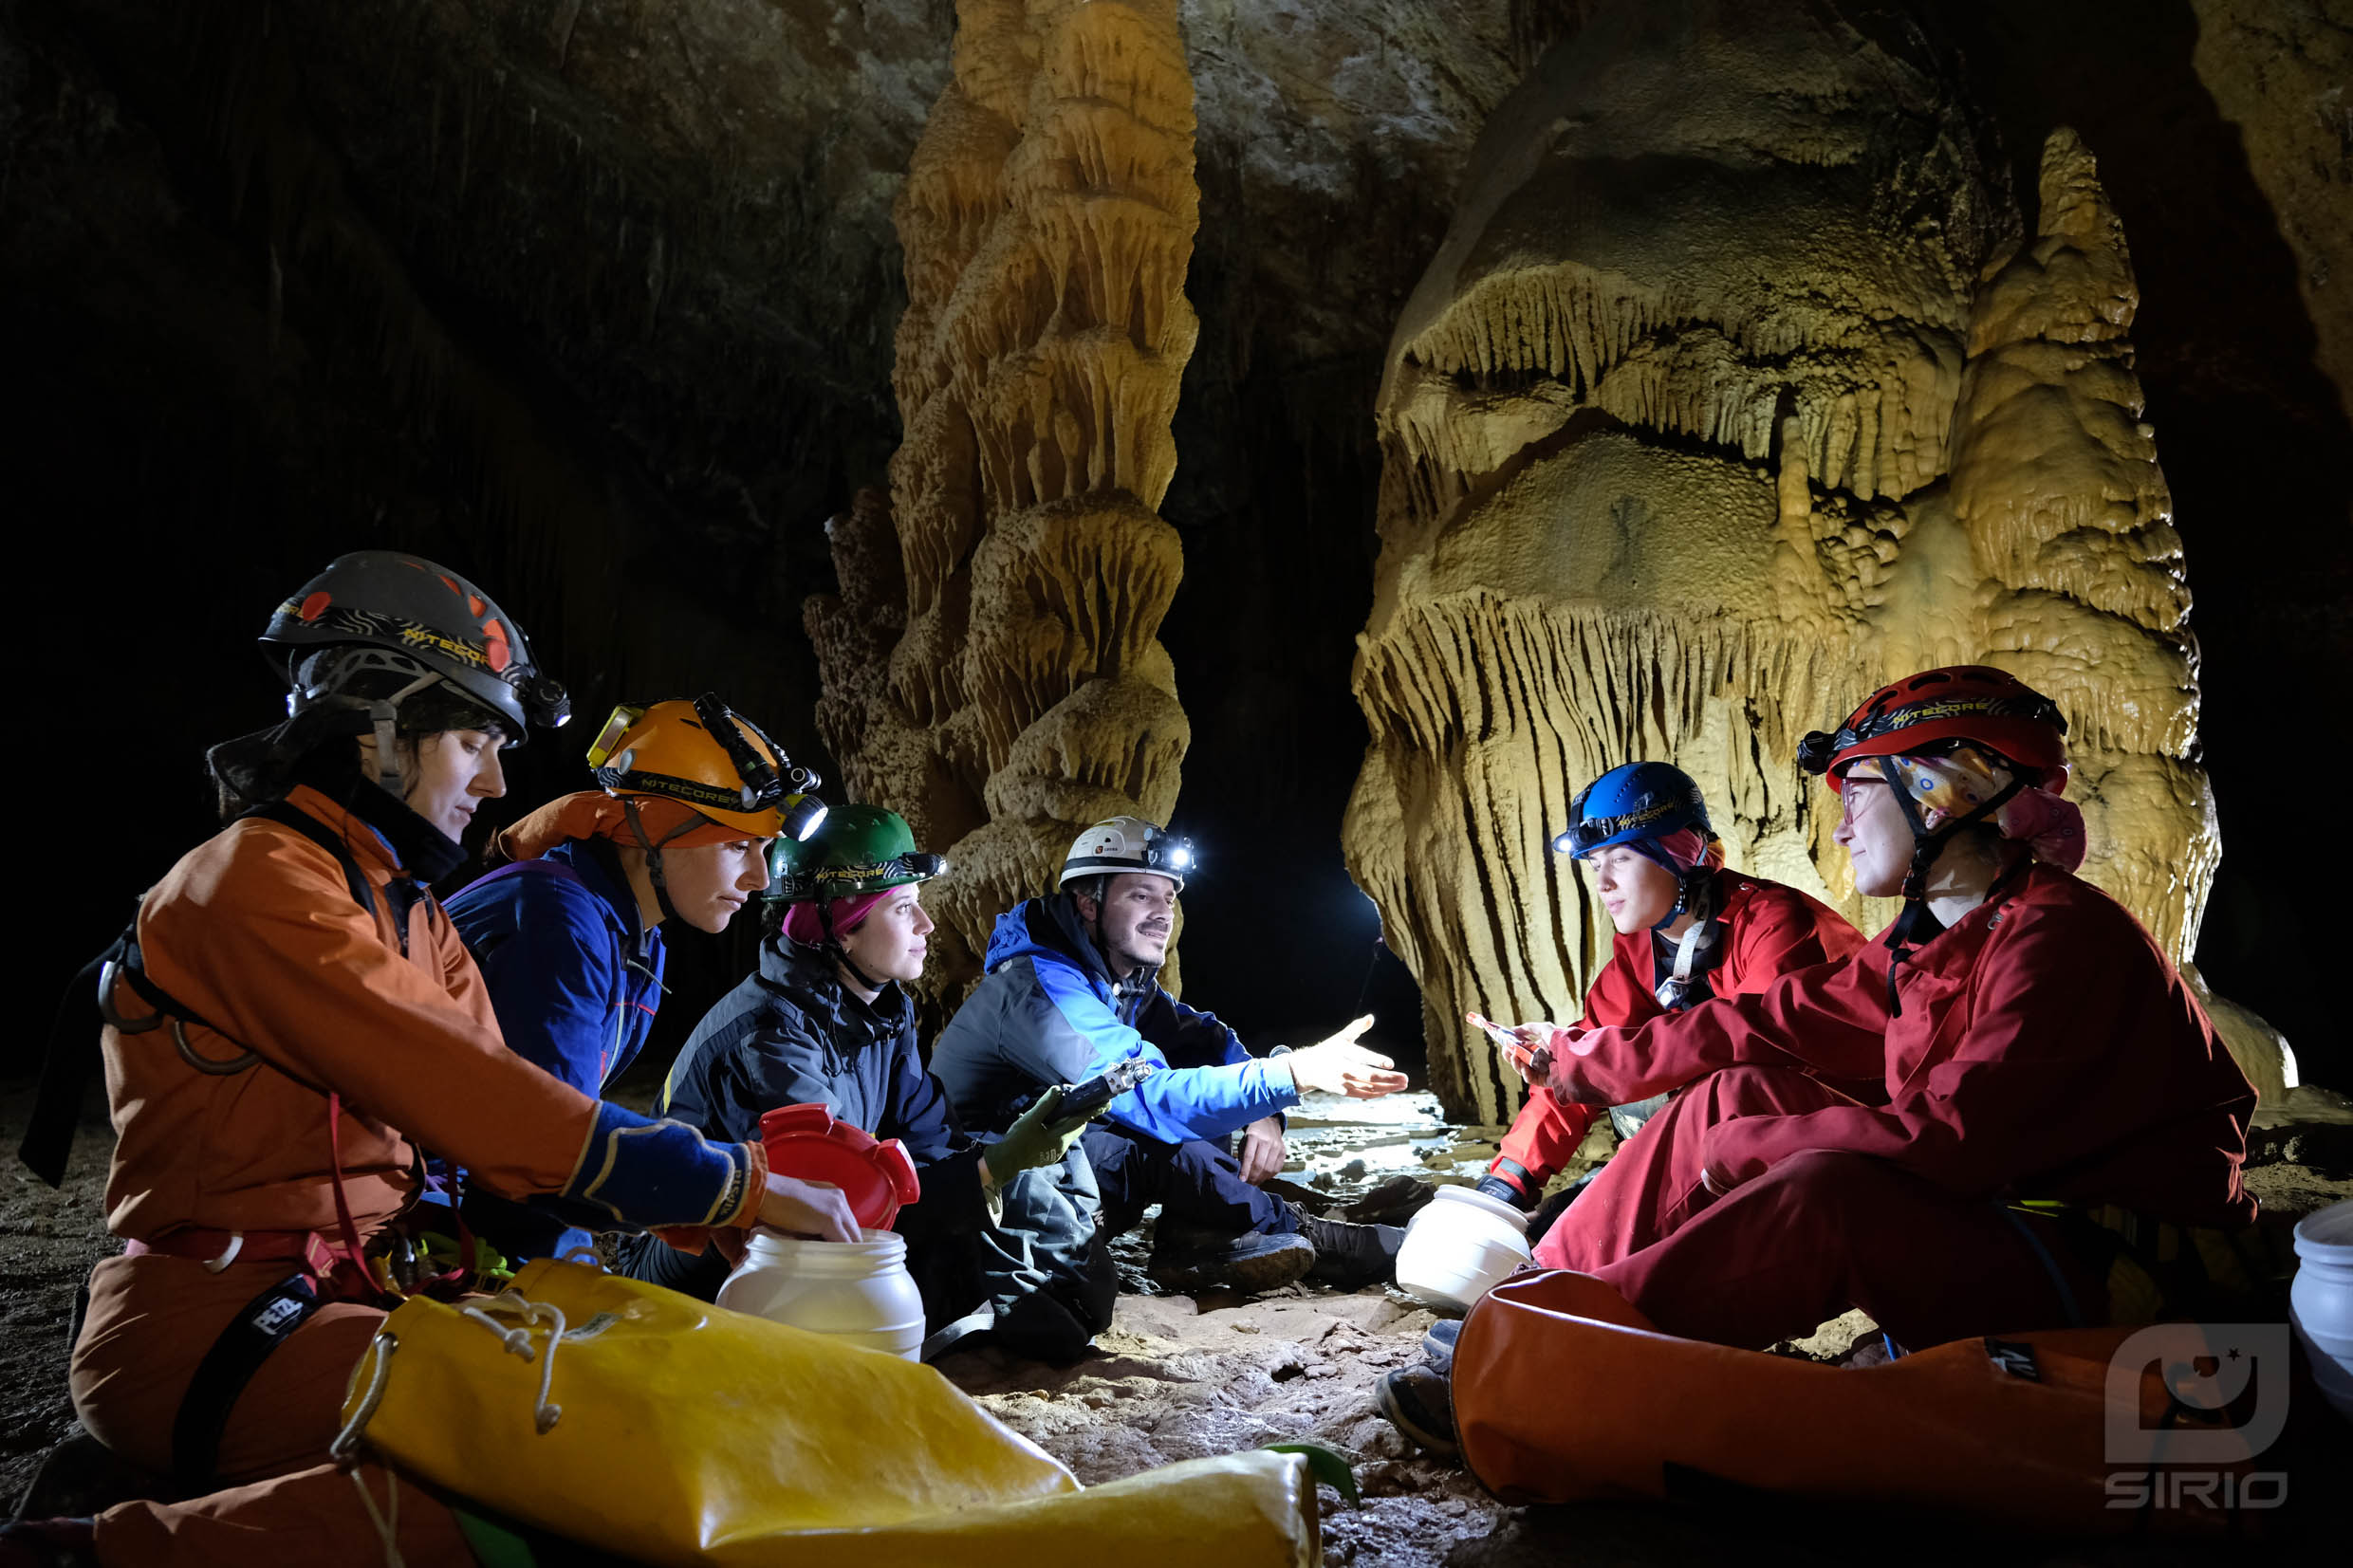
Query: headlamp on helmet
(760, 784)
(1123, 844)
(1978, 703)
(1635, 803)
(856, 849)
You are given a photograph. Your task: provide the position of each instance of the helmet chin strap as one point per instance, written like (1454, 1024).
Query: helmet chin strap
(1694, 895)
(1918, 923)
(653, 854)
(392, 774)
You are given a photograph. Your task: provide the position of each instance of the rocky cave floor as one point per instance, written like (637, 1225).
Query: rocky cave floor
(1177, 1376)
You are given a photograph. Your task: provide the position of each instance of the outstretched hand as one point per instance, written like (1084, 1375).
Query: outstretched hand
(1339, 1065)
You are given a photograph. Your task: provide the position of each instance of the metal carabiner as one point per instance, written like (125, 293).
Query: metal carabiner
(106, 975)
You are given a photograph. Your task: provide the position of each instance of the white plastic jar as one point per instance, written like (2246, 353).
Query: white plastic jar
(1460, 1244)
(2321, 1301)
(857, 1291)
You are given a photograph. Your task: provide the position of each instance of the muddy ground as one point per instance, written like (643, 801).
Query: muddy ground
(1177, 1376)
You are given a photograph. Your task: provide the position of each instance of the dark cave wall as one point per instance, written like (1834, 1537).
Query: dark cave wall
(600, 311)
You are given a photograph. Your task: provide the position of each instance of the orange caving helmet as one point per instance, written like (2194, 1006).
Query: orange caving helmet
(1962, 702)
(705, 756)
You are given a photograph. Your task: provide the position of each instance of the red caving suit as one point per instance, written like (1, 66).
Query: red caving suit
(2044, 1047)
(1770, 931)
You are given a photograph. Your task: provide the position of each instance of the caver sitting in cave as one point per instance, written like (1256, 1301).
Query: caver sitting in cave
(1071, 991)
(1003, 1239)
(291, 1016)
(569, 933)
(2007, 1115)
(1688, 929)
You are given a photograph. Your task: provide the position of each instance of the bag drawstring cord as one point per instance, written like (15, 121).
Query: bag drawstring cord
(518, 1342)
(387, 1522)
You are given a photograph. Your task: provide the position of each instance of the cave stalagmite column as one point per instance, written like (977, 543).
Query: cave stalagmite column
(1733, 394)
(992, 667)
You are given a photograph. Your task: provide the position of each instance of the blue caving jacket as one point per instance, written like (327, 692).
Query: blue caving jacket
(1051, 1012)
(575, 982)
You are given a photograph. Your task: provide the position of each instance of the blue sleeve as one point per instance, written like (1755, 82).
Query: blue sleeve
(637, 1172)
(548, 961)
(1187, 1036)
(1080, 1037)
(1191, 1036)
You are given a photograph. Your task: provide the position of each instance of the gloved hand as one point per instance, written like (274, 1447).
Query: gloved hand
(1497, 1188)
(1035, 1138)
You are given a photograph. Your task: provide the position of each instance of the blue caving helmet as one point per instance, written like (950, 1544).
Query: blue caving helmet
(1636, 805)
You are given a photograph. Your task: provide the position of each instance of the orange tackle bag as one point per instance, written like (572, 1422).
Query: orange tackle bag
(1563, 1392)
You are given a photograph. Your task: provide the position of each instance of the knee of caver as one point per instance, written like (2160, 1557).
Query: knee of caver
(1851, 1193)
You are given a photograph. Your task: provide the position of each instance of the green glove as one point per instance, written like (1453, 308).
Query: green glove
(1035, 1138)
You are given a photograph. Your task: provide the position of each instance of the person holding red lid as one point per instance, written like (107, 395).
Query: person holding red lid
(827, 1019)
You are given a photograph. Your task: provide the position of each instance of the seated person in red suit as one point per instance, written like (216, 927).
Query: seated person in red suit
(1688, 929)
(1968, 1128)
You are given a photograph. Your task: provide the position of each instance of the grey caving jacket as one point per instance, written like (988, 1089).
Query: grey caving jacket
(793, 1033)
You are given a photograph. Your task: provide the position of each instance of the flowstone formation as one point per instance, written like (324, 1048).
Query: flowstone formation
(992, 667)
(1730, 395)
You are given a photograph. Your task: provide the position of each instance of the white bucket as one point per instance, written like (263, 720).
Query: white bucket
(2321, 1301)
(1463, 1242)
(857, 1291)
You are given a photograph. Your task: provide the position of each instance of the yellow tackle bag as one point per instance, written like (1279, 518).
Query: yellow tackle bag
(651, 1424)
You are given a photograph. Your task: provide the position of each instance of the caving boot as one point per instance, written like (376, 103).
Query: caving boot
(1419, 1402)
(1190, 1257)
(1437, 1345)
(1349, 1256)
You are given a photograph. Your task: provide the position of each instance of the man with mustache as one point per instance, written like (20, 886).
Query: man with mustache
(1071, 991)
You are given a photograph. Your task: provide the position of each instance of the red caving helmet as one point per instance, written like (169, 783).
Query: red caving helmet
(1962, 702)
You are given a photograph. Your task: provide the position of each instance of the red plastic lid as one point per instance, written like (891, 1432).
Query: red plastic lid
(807, 1143)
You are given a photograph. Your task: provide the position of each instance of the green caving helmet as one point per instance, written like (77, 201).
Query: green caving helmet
(856, 849)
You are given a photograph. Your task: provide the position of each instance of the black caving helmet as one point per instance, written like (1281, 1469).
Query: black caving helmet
(381, 627)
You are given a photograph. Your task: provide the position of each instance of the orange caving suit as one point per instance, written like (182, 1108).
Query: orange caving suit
(257, 932)
(1833, 1150)
(1770, 931)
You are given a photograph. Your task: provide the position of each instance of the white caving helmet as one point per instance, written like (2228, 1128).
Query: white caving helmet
(1127, 844)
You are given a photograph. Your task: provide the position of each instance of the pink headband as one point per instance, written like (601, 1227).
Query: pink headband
(1688, 847)
(801, 925)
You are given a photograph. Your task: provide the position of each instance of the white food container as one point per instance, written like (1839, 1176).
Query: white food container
(857, 1291)
(1463, 1242)
(2321, 1301)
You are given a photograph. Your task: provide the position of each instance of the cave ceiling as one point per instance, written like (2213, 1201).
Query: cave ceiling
(682, 208)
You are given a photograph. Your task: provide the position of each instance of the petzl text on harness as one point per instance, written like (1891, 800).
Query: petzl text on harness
(2032, 1428)
(669, 1432)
